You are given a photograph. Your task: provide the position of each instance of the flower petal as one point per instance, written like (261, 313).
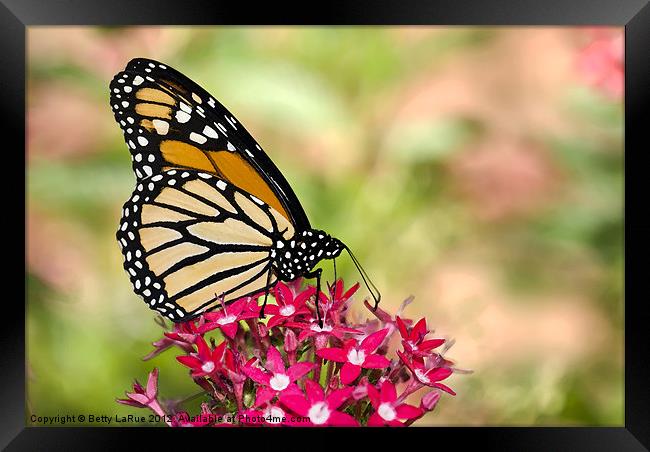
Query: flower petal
(350, 292)
(349, 373)
(373, 395)
(237, 307)
(264, 394)
(406, 411)
(296, 403)
(283, 294)
(388, 392)
(376, 362)
(257, 375)
(333, 354)
(152, 383)
(230, 329)
(375, 420)
(419, 330)
(336, 398)
(438, 374)
(303, 296)
(203, 348)
(402, 328)
(430, 344)
(140, 398)
(299, 370)
(444, 388)
(374, 340)
(342, 420)
(274, 361)
(189, 361)
(314, 391)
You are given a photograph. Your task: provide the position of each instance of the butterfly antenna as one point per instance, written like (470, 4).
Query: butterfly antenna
(366, 279)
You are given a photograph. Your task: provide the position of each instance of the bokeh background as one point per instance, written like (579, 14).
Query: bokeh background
(478, 169)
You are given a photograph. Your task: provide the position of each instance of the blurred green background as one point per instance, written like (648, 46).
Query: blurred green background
(479, 169)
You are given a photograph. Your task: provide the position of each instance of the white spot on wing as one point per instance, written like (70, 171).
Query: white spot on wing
(210, 132)
(198, 138)
(182, 116)
(162, 127)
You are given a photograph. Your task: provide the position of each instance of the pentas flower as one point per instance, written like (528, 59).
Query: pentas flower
(288, 370)
(357, 356)
(227, 318)
(388, 409)
(288, 305)
(320, 409)
(336, 304)
(277, 378)
(145, 398)
(413, 339)
(313, 329)
(426, 374)
(206, 361)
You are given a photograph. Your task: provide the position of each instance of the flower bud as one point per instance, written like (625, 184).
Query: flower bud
(290, 341)
(430, 400)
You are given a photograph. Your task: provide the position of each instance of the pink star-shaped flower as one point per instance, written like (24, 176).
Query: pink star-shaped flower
(387, 408)
(227, 318)
(277, 378)
(312, 329)
(428, 374)
(336, 304)
(288, 306)
(145, 397)
(357, 356)
(413, 340)
(205, 361)
(319, 409)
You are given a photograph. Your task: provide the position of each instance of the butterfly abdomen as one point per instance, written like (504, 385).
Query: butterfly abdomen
(297, 256)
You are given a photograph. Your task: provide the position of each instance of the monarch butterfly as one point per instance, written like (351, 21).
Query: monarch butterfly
(211, 218)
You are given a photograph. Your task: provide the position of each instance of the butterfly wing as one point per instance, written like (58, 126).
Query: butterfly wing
(171, 122)
(190, 239)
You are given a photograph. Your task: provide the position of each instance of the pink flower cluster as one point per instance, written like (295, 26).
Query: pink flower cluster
(288, 370)
(601, 61)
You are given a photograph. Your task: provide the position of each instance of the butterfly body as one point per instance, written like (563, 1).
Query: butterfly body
(211, 218)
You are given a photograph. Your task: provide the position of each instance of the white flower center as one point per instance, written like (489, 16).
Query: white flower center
(276, 415)
(356, 356)
(287, 310)
(386, 411)
(279, 382)
(421, 376)
(413, 346)
(207, 366)
(319, 413)
(318, 329)
(227, 319)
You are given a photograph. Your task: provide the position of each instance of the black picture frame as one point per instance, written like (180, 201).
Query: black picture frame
(17, 15)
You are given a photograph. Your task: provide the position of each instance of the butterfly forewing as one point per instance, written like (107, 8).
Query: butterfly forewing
(170, 122)
(191, 239)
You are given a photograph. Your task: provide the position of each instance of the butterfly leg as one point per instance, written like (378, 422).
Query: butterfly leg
(317, 274)
(266, 294)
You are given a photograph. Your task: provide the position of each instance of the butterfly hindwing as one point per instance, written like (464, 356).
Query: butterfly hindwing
(189, 238)
(170, 122)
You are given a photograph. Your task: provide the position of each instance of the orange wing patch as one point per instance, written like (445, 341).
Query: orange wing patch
(155, 95)
(228, 165)
(187, 155)
(238, 171)
(153, 110)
